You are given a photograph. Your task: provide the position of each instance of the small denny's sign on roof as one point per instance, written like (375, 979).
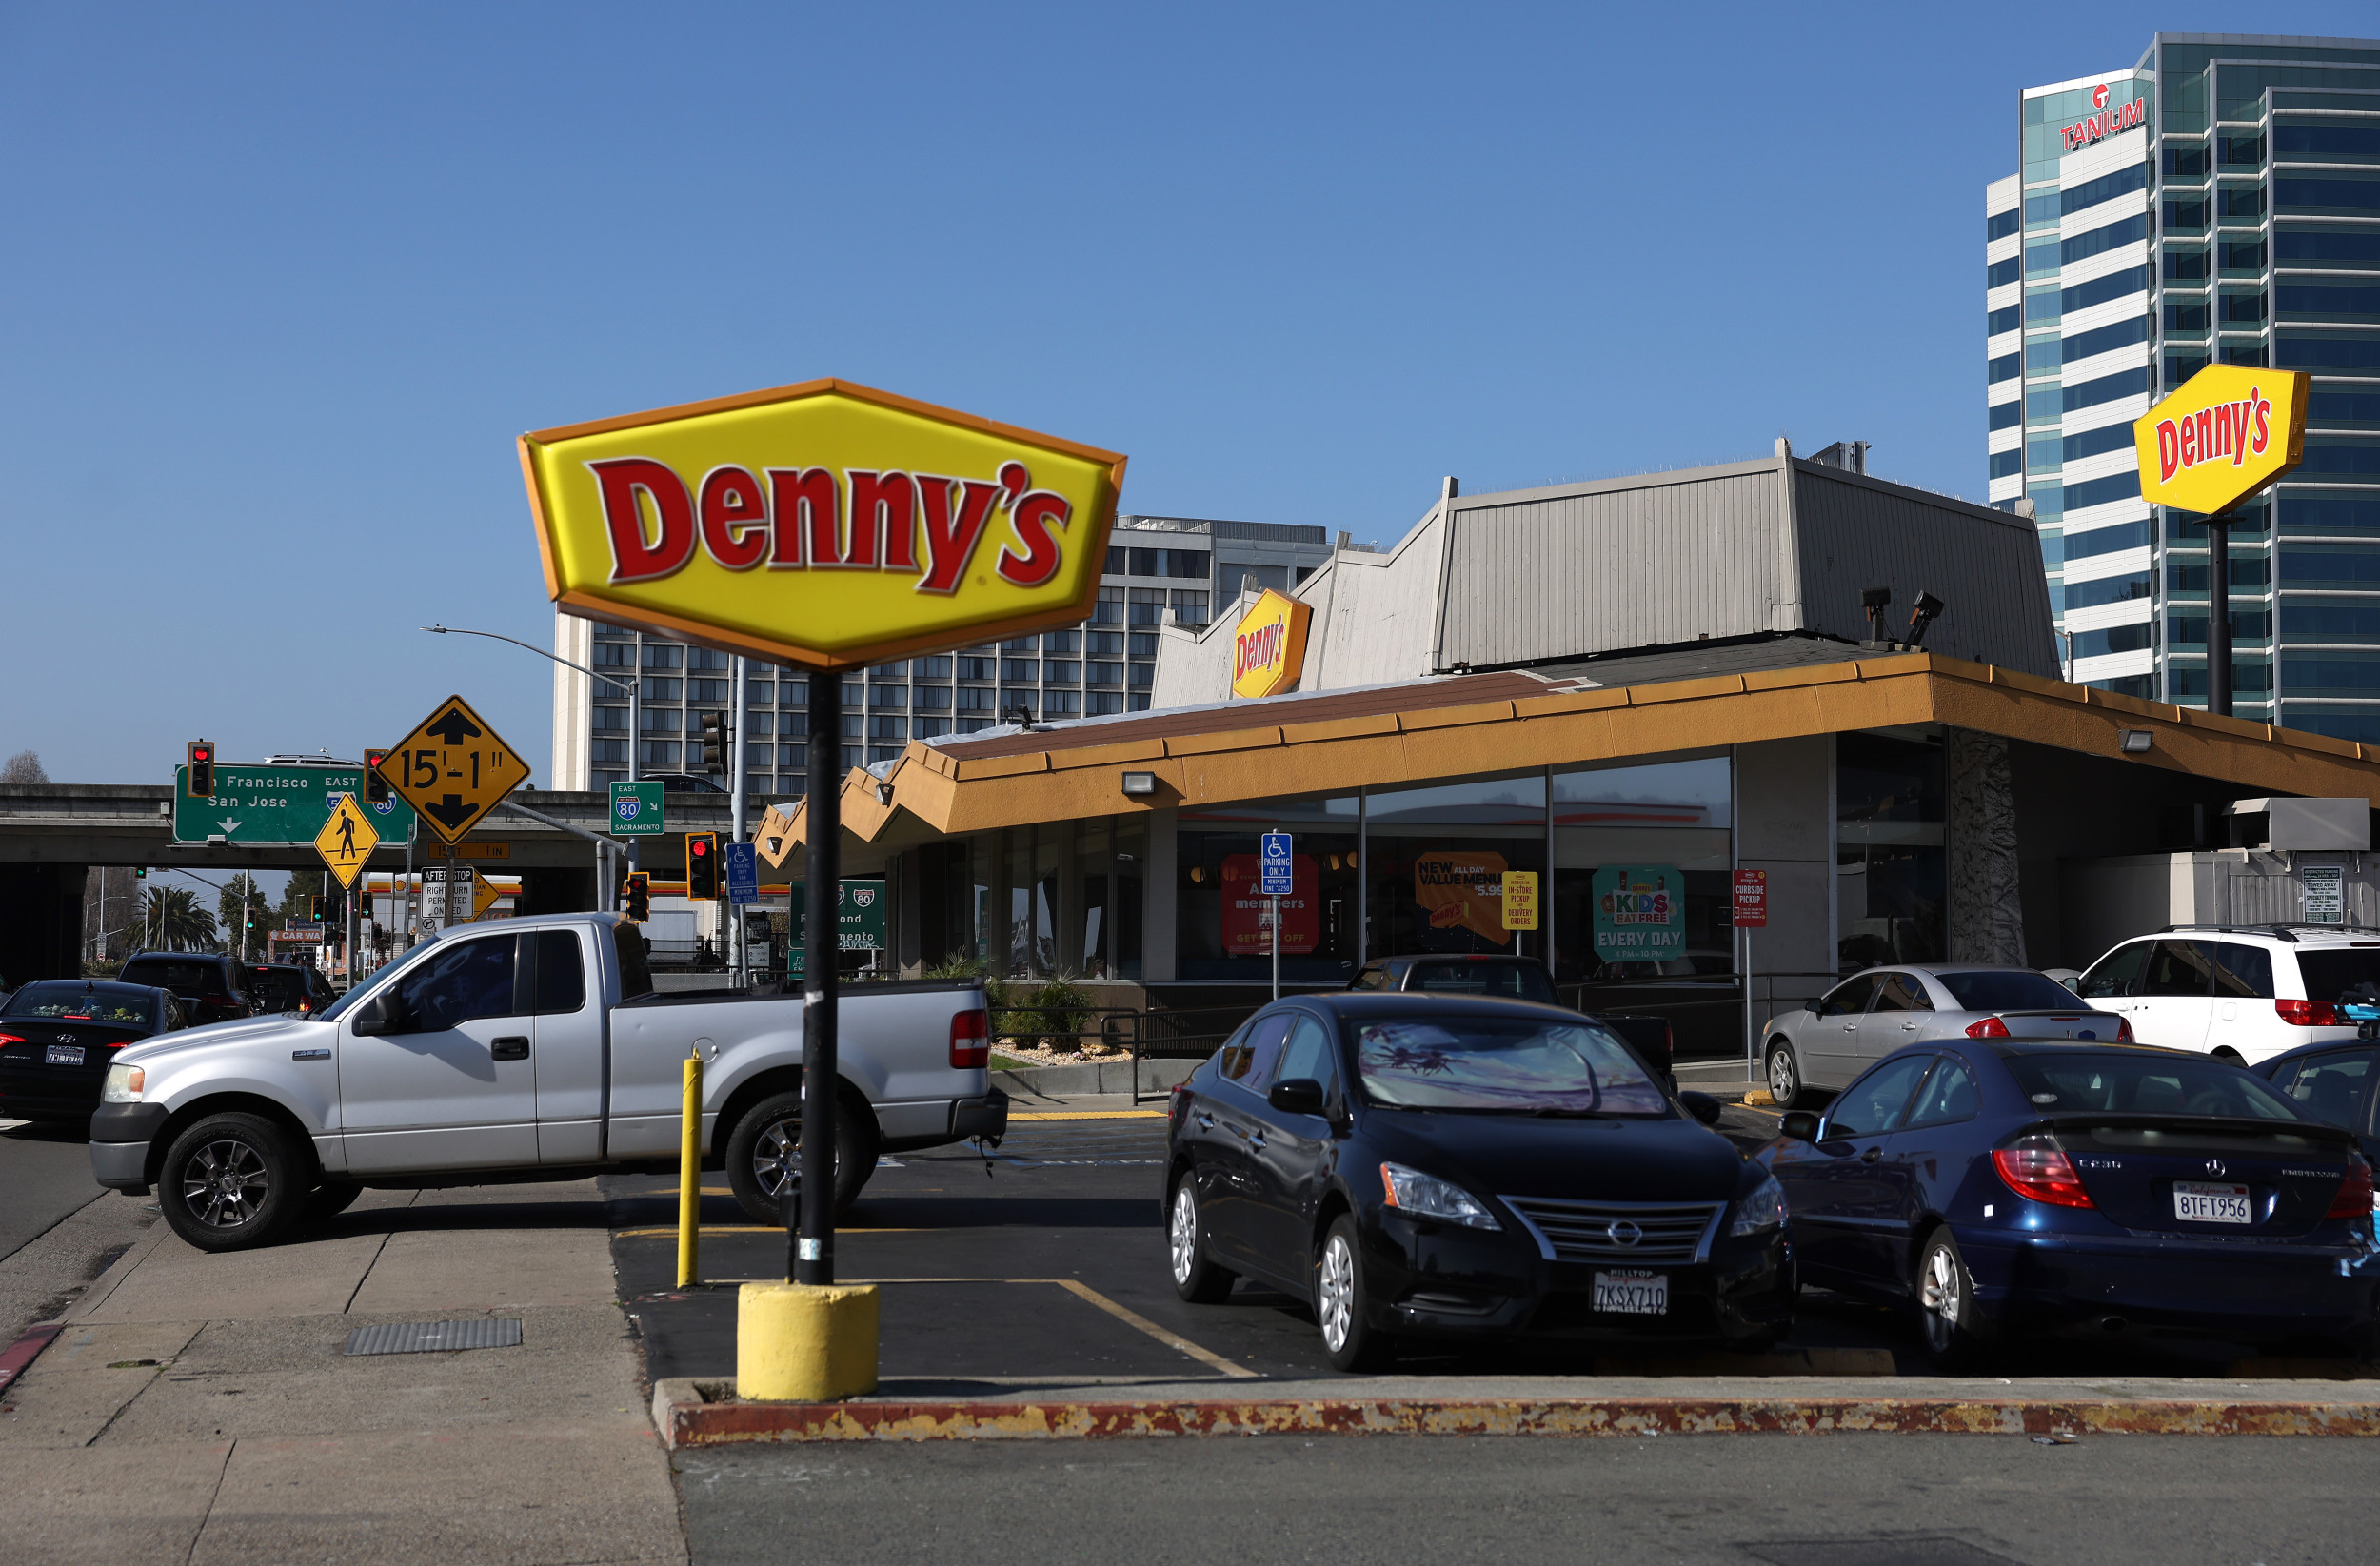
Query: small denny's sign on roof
(2229, 431)
(823, 524)
(1268, 645)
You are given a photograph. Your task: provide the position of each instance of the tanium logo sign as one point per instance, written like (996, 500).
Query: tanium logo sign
(2106, 122)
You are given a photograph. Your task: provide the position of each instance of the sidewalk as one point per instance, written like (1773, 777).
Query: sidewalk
(199, 1408)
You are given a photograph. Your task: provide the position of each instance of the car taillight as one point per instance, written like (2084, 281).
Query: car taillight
(2355, 1197)
(1991, 1027)
(7, 1038)
(219, 1000)
(970, 1040)
(2123, 1030)
(2038, 1167)
(2308, 1014)
(1178, 1108)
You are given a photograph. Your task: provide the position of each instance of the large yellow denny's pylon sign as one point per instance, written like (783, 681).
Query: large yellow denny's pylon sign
(2224, 433)
(824, 524)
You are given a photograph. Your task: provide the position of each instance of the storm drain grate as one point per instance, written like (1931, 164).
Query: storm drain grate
(499, 1332)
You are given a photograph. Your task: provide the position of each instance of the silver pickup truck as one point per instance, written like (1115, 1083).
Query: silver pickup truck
(535, 1049)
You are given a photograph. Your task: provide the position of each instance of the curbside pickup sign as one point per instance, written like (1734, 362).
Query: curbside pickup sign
(824, 524)
(2229, 431)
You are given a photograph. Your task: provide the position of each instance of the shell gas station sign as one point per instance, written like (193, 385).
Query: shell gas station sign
(823, 524)
(2227, 432)
(1268, 646)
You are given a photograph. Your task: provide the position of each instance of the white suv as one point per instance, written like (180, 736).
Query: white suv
(2243, 991)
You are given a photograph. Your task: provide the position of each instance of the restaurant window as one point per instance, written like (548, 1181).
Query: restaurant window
(1435, 863)
(1889, 858)
(1223, 925)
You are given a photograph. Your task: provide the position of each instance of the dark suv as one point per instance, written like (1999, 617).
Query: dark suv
(213, 986)
(289, 987)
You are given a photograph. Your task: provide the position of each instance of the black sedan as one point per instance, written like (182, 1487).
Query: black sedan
(2000, 1186)
(58, 1035)
(1448, 1166)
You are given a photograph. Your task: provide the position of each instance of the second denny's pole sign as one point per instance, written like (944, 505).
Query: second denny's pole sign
(823, 524)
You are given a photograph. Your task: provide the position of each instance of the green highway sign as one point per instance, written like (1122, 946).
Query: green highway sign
(636, 810)
(265, 805)
(859, 922)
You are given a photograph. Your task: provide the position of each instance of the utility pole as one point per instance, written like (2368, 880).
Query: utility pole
(736, 975)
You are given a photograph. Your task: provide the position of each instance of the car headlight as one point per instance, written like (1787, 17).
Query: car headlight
(1426, 1196)
(124, 1085)
(1762, 1208)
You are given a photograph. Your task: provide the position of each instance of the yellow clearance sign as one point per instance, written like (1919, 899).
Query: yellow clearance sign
(1268, 646)
(2229, 431)
(824, 524)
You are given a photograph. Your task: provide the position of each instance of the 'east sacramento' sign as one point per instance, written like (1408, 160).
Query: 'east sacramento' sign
(824, 524)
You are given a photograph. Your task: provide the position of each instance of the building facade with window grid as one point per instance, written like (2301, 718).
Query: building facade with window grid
(1157, 568)
(2234, 216)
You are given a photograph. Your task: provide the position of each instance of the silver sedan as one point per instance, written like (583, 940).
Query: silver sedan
(1828, 1041)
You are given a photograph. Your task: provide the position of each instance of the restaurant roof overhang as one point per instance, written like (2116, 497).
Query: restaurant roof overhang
(1394, 736)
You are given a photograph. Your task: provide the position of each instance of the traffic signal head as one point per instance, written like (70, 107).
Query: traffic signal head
(715, 741)
(140, 872)
(702, 865)
(317, 914)
(636, 894)
(201, 779)
(375, 786)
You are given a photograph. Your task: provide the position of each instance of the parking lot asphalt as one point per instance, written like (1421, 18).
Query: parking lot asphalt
(46, 1172)
(1045, 1265)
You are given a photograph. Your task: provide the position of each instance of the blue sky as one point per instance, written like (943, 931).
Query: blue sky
(283, 283)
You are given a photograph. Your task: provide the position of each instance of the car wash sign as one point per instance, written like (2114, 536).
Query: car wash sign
(2229, 431)
(823, 524)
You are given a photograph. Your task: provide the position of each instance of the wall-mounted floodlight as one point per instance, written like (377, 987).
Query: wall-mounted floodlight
(1139, 783)
(1928, 609)
(884, 793)
(2137, 740)
(1874, 601)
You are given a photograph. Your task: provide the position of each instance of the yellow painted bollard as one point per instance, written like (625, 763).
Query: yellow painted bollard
(806, 1342)
(691, 1176)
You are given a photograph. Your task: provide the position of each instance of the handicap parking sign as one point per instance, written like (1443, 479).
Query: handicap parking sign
(1272, 867)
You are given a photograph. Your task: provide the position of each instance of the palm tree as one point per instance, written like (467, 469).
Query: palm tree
(172, 920)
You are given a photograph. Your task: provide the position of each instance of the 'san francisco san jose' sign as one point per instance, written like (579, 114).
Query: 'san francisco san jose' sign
(2224, 433)
(824, 524)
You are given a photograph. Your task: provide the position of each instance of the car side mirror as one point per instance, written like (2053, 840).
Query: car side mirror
(1801, 1126)
(1811, 1006)
(1297, 1095)
(379, 1015)
(1701, 1106)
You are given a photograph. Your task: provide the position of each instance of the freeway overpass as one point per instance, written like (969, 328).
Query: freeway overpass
(52, 834)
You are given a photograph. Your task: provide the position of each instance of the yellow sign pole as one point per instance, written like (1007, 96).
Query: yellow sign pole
(691, 1176)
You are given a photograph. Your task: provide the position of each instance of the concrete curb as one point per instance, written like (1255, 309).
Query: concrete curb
(117, 1271)
(1091, 1076)
(686, 1416)
(18, 1357)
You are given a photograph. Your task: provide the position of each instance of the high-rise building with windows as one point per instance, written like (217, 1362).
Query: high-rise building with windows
(2218, 201)
(1156, 568)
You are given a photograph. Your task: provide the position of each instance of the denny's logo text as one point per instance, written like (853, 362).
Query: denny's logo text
(824, 524)
(2227, 433)
(1268, 645)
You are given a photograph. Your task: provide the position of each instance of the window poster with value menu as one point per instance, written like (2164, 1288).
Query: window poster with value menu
(1640, 913)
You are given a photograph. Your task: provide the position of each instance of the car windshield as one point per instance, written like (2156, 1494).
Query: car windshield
(182, 977)
(2341, 973)
(2154, 1084)
(121, 1005)
(1984, 989)
(1520, 1064)
(1517, 981)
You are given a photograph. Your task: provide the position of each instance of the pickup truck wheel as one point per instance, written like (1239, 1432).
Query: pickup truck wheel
(230, 1182)
(766, 1147)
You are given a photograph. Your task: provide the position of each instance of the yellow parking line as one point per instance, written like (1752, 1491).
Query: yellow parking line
(1087, 1115)
(1080, 1290)
(672, 1232)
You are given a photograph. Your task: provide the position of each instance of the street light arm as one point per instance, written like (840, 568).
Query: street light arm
(458, 630)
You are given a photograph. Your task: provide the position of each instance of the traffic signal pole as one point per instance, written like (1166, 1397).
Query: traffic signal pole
(736, 974)
(815, 1250)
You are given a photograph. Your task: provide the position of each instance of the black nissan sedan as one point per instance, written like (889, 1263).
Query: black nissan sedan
(58, 1035)
(1430, 1165)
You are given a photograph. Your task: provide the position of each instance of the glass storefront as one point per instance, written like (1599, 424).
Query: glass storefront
(1435, 880)
(1221, 926)
(1889, 856)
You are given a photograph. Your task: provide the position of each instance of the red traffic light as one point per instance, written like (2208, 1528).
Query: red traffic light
(700, 848)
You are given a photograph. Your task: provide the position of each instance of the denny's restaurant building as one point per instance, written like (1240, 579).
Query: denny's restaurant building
(1901, 807)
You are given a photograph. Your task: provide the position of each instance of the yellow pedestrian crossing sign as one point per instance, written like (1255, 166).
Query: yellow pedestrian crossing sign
(346, 840)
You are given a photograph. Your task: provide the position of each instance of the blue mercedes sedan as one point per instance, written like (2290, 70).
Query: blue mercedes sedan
(2005, 1186)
